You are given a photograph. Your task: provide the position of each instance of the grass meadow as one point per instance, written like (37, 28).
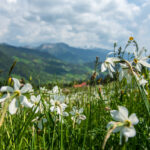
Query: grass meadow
(69, 118)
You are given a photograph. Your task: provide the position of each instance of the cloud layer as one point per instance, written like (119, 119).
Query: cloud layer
(86, 23)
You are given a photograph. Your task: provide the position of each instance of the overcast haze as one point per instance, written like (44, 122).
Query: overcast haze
(80, 23)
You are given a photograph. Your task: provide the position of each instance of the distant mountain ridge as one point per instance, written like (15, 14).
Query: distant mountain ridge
(70, 54)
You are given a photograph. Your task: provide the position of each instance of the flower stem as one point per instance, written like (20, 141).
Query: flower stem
(123, 147)
(53, 136)
(61, 133)
(108, 135)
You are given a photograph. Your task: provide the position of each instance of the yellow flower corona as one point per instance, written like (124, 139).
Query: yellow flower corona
(135, 61)
(127, 123)
(131, 38)
(17, 92)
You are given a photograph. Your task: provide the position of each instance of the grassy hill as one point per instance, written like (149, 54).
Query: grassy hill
(42, 66)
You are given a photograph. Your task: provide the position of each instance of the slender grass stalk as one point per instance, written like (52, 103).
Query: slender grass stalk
(52, 147)
(86, 130)
(61, 133)
(44, 141)
(33, 137)
(108, 135)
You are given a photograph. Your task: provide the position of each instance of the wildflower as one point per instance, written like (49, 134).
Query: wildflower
(37, 104)
(126, 72)
(108, 64)
(139, 60)
(142, 81)
(77, 115)
(124, 123)
(19, 98)
(58, 107)
(131, 38)
(56, 90)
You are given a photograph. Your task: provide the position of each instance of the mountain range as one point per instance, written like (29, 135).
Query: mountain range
(49, 62)
(70, 54)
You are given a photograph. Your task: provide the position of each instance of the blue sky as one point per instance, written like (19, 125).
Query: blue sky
(80, 23)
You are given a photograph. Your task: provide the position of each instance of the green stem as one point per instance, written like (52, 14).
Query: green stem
(53, 137)
(123, 147)
(61, 133)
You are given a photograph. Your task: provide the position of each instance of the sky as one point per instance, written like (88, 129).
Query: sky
(79, 23)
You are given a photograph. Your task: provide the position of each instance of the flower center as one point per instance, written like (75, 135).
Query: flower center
(57, 103)
(17, 92)
(77, 114)
(36, 103)
(135, 61)
(127, 123)
(107, 63)
(131, 38)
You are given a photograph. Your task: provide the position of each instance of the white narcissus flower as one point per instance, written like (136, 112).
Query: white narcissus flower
(37, 104)
(142, 81)
(20, 98)
(55, 90)
(56, 94)
(125, 123)
(57, 106)
(125, 72)
(139, 60)
(108, 64)
(43, 90)
(77, 115)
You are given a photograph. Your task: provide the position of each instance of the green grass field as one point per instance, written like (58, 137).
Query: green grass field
(21, 131)
(69, 118)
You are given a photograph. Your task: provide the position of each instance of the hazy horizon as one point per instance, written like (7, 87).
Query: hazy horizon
(84, 24)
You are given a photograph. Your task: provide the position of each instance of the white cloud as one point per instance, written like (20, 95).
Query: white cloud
(11, 1)
(79, 23)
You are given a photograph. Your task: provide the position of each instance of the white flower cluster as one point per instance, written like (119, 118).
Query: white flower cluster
(23, 96)
(128, 69)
